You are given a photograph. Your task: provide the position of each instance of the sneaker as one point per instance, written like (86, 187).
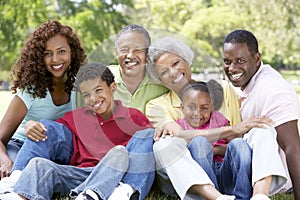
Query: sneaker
(10, 196)
(260, 197)
(226, 197)
(123, 191)
(7, 183)
(87, 195)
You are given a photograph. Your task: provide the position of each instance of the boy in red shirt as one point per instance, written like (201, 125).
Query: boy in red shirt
(121, 138)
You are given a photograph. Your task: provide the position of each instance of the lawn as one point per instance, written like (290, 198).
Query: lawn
(5, 98)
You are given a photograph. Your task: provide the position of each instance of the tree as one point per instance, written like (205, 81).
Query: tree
(206, 23)
(93, 21)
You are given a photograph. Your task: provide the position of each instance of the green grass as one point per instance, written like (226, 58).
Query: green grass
(5, 98)
(290, 74)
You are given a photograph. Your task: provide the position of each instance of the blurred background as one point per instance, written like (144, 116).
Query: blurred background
(203, 24)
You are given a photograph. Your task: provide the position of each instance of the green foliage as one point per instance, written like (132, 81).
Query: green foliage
(4, 75)
(275, 23)
(203, 23)
(93, 21)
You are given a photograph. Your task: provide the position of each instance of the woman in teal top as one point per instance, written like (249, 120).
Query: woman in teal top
(43, 79)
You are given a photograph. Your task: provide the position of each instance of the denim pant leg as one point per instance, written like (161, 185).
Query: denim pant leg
(202, 152)
(106, 175)
(13, 147)
(58, 146)
(42, 178)
(234, 173)
(141, 169)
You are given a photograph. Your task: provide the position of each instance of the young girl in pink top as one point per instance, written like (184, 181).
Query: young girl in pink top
(226, 161)
(200, 113)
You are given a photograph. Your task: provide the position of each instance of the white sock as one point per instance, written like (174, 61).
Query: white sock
(260, 197)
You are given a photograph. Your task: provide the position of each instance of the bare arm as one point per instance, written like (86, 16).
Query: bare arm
(13, 117)
(288, 140)
(238, 130)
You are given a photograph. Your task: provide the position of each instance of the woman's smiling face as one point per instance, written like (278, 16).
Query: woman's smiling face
(173, 71)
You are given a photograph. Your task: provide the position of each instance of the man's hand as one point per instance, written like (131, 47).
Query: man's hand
(251, 122)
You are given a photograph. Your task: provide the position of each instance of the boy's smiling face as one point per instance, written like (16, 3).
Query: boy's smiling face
(98, 96)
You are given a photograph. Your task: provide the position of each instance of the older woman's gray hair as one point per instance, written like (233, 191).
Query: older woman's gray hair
(171, 45)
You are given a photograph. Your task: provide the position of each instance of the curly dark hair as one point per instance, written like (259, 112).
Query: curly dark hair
(29, 72)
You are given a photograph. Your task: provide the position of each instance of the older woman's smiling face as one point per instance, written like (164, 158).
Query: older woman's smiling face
(173, 71)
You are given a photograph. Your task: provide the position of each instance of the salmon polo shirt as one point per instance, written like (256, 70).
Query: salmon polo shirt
(94, 136)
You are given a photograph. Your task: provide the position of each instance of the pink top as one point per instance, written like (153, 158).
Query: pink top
(217, 120)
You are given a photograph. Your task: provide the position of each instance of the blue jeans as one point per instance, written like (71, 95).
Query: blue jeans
(141, 169)
(233, 175)
(13, 147)
(50, 177)
(58, 147)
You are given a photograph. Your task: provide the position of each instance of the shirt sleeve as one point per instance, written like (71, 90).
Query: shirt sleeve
(281, 107)
(232, 104)
(158, 114)
(26, 98)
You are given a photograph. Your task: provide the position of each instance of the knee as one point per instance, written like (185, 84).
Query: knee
(38, 162)
(47, 123)
(264, 134)
(169, 143)
(144, 134)
(199, 142)
(241, 149)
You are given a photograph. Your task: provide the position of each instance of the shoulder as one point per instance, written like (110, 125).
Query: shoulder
(163, 98)
(219, 117)
(138, 117)
(270, 82)
(75, 113)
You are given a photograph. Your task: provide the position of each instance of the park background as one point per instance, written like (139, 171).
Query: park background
(203, 24)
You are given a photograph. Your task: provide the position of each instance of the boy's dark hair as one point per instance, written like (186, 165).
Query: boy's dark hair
(212, 88)
(243, 36)
(94, 70)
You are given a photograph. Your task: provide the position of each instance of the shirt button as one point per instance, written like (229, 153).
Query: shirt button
(101, 123)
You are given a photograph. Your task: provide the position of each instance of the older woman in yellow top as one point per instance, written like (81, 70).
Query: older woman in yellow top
(178, 173)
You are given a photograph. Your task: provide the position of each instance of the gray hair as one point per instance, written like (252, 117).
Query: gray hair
(171, 45)
(167, 44)
(134, 28)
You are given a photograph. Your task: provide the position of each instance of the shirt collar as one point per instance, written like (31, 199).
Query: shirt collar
(175, 100)
(120, 112)
(251, 83)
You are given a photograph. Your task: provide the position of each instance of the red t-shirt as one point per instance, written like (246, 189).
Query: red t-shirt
(93, 136)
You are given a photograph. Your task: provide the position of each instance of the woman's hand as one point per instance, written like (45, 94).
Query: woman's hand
(171, 128)
(5, 167)
(35, 131)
